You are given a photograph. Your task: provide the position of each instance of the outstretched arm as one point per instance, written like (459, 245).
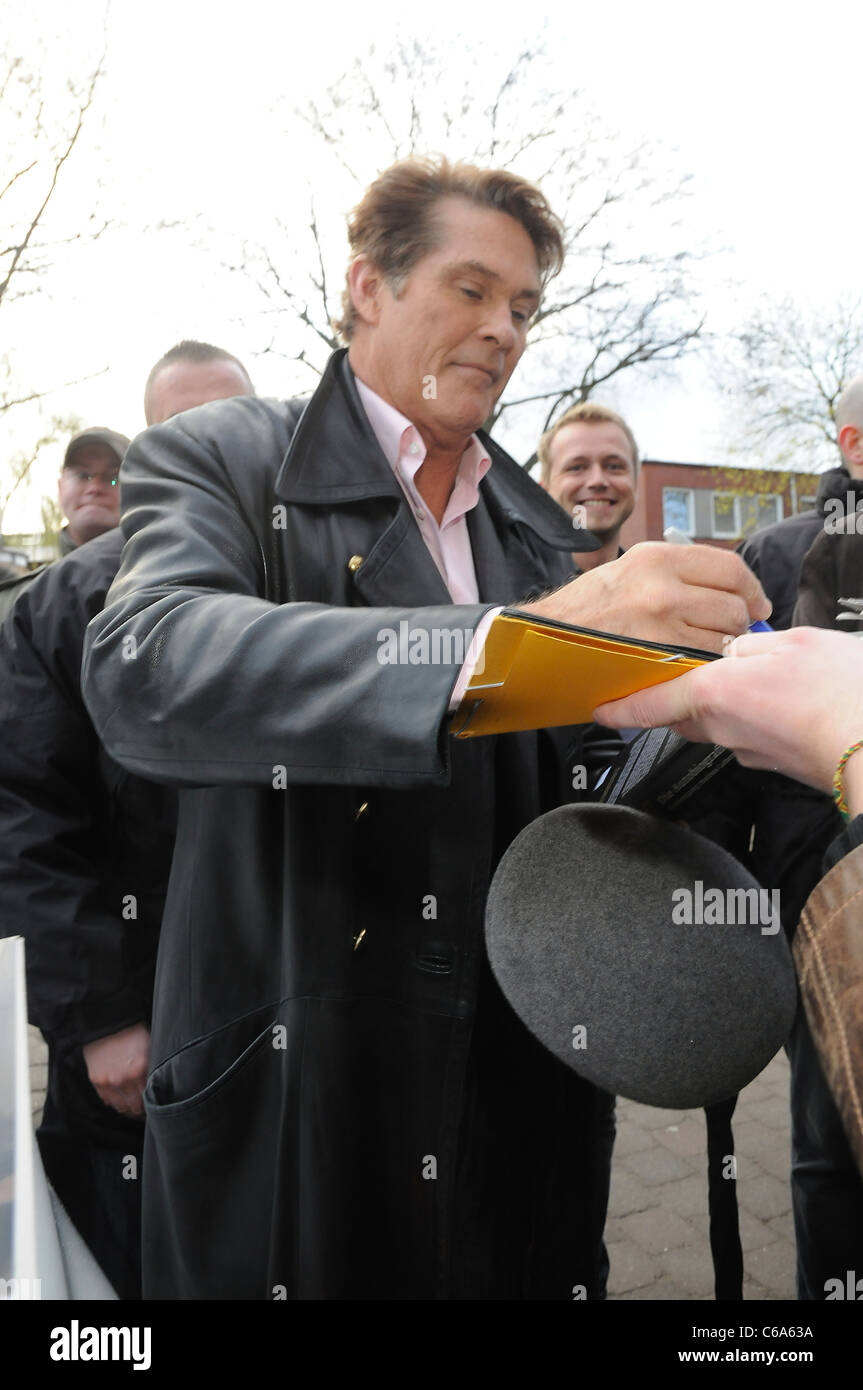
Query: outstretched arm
(791, 701)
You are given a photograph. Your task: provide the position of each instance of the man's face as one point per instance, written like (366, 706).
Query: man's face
(181, 385)
(592, 467)
(89, 494)
(443, 351)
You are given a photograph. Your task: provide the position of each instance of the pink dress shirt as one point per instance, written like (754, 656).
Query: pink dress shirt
(447, 543)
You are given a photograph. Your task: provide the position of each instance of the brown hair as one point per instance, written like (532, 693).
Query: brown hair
(393, 224)
(584, 413)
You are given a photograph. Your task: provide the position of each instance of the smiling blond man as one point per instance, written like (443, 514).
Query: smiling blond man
(589, 461)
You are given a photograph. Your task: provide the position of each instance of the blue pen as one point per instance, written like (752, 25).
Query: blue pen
(675, 537)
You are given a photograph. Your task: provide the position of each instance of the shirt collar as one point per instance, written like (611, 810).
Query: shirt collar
(390, 428)
(388, 423)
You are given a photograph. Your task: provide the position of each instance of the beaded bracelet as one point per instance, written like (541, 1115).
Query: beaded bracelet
(838, 789)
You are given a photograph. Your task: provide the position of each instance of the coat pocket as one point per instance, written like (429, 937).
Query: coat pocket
(215, 1117)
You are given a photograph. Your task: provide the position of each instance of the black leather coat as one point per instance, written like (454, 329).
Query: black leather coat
(330, 1113)
(832, 570)
(85, 848)
(776, 553)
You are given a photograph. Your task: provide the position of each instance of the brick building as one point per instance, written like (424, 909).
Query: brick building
(714, 505)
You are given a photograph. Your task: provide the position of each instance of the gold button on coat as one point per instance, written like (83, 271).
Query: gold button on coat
(354, 563)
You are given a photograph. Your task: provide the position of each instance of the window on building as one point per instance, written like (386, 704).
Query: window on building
(806, 504)
(726, 514)
(768, 510)
(678, 509)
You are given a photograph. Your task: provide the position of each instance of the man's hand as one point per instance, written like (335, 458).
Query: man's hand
(117, 1068)
(689, 596)
(786, 700)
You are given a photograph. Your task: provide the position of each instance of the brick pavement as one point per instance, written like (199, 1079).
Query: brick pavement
(658, 1226)
(657, 1230)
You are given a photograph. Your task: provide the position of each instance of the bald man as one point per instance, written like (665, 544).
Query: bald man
(192, 373)
(833, 567)
(776, 553)
(826, 1187)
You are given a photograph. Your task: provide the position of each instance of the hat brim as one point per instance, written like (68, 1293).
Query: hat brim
(590, 939)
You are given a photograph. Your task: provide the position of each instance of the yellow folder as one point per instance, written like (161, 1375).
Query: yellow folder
(538, 674)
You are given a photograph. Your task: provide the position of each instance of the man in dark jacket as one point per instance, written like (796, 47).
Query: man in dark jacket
(341, 1104)
(85, 850)
(833, 568)
(824, 556)
(826, 1185)
(776, 554)
(89, 497)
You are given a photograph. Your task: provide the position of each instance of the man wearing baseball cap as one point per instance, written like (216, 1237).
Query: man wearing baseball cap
(88, 490)
(85, 849)
(89, 498)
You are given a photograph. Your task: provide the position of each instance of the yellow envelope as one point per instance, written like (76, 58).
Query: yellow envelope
(538, 674)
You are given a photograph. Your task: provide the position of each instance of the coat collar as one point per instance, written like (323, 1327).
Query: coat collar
(335, 457)
(836, 482)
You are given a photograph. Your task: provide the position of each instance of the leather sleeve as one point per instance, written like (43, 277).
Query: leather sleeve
(773, 557)
(193, 677)
(817, 601)
(749, 552)
(55, 884)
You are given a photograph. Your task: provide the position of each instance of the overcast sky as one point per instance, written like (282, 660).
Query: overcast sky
(759, 102)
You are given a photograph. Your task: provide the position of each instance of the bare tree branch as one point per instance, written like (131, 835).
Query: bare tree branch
(19, 468)
(7, 402)
(783, 376)
(627, 299)
(45, 128)
(14, 179)
(19, 250)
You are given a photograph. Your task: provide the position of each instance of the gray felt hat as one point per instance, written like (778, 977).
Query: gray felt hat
(641, 954)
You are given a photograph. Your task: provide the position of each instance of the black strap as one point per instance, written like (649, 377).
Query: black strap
(722, 1190)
